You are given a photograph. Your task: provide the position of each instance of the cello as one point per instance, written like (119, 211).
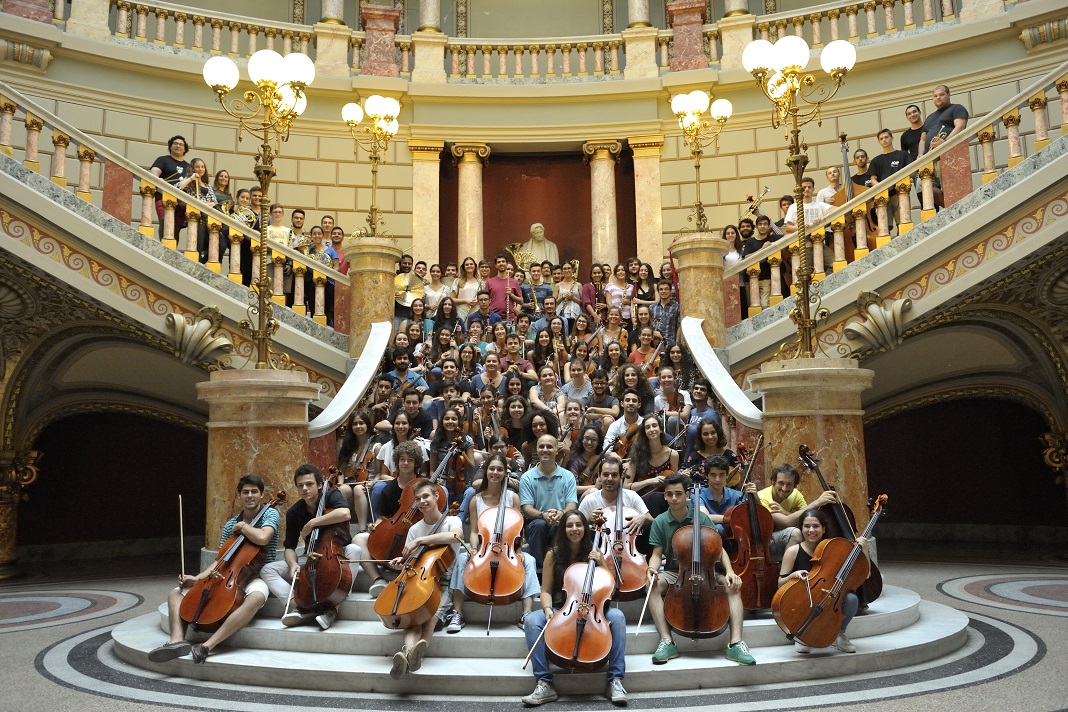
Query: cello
(220, 593)
(844, 524)
(325, 579)
(414, 596)
(495, 573)
(751, 526)
(809, 609)
(630, 565)
(386, 540)
(578, 636)
(696, 605)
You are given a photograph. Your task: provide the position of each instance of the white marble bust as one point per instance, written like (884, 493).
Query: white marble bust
(542, 248)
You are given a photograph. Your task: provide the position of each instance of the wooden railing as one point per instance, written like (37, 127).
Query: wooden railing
(205, 31)
(66, 139)
(854, 21)
(982, 131)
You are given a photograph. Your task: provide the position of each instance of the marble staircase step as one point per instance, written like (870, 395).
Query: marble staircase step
(451, 664)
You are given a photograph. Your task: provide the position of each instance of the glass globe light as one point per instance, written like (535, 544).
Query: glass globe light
(390, 107)
(285, 99)
(699, 101)
(375, 105)
(777, 86)
(721, 109)
(266, 67)
(393, 127)
(680, 104)
(791, 52)
(221, 72)
(299, 68)
(352, 113)
(302, 104)
(838, 55)
(757, 56)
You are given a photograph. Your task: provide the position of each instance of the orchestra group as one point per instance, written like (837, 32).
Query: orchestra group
(539, 440)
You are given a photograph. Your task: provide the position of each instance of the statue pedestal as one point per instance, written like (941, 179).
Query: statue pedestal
(699, 263)
(816, 402)
(257, 423)
(372, 267)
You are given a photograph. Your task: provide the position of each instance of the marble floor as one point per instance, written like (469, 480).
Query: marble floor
(56, 652)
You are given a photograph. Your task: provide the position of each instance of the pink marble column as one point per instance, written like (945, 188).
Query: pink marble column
(118, 198)
(956, 173)
(471, 157)
(322, 451)
(687, 17)
(372, 262)
(30, 9)
(732, 300)
(602, 157)
(699, 263)
(647, 202)
(342, 305)
(380, 23)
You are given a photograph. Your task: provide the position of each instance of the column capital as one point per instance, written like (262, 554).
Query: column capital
(425, 149)
(466, 152)
(646, 146)
(601, 150)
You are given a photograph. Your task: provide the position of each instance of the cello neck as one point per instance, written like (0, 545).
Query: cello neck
(846, 179)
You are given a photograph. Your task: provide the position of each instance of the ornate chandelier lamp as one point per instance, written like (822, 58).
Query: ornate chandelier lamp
(374, 136)
(698, 134)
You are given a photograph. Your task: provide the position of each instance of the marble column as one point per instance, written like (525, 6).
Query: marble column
(372, 267)
(647, 202)
(638, 13)
(38, 10)
(817, 402)
(426, 196)
(333, 13)
(258, 423)
(18, 470)
(687, 18)
(380, 24)
(471, 157)
(429, 15)
(956, 169)
(602, 156)
(699, 264)
(117, 200)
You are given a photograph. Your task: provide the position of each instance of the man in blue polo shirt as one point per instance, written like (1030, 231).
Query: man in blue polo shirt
(545, 493)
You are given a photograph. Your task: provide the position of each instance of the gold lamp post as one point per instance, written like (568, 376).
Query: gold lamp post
(374, 136)
(267, 113)
(779, 70)
(690, 109)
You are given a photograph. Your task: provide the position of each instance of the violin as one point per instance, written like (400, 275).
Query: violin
(414, 596)
(325, 579)
(589, 473)
(810, 608)
(844, 524)
(456, 478)
(221, 592)
(624, 441)
(495, 573)
(578, 636)
(651, 363)
(621, 551)
(386, 540)
(696, 605)
(751, 525)
(742, 465)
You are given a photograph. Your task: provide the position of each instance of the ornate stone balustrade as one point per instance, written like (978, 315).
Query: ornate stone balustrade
(854, 21)
(205, 31)
(1031, 114)
(120, 180)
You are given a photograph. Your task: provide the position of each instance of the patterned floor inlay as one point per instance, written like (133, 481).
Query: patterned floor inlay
(26, 610)
(1046, 594)
(994, 649)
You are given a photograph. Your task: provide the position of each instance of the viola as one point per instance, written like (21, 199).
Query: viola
(414, 596)
(386, 540)
(578, 636)
(844, 524)
(810, 608)
(751, 526)
(221, 592)
(495, 573)
(325, 579)
(621, 552)
(696, 605)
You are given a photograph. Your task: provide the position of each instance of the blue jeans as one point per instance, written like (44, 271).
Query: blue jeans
(617, 623)
(377, 498)
(538, 534)
(464, 504)
(849, 609)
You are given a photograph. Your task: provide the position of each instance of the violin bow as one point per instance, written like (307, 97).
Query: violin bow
(752, 460)
(648, 593)
(181, 536)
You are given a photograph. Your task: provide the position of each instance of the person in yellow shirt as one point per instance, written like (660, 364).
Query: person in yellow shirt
(787, 504)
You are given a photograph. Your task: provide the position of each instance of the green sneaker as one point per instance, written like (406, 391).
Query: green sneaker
(664, 652)
(739, 653)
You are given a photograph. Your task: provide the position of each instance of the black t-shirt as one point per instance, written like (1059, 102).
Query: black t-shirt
(298, 515)
(940, 123)
(861, 179)
(171, 171)
(423, 422)
(391, 495)
(752, 245)
(910, 142)
(886, 164)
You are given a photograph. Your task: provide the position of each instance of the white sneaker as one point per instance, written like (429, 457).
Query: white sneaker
(378, 587)
(843, 644)
(400, 664)
(543, 693)
(801, 647)
(456, 622)
(415, 655)
(616, 693)
(326, 618)
(295, 618)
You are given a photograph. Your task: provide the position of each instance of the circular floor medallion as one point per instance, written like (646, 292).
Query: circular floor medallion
(1046, 594)
(26, 610)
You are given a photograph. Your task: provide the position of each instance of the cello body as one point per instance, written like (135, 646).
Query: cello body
(217, 595)
(578, 636)
(386, 541)
(751, 527)
(696, 605)
(414, 596)
(622, 555)
(325, 579)
(495, 573)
